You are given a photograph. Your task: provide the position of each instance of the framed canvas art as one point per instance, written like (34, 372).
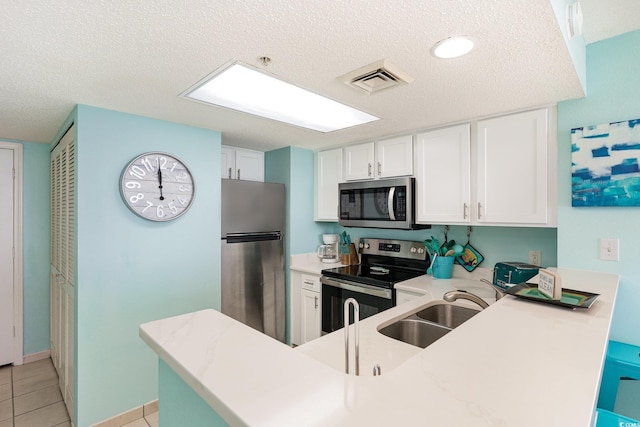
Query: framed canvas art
(604, 164)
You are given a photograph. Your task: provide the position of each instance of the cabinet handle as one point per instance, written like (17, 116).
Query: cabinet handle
(229, 173)
(316, 302)
(379, 169)
(238, 177)
(479, 210)
(307, 282)
(464, 211)
(368, 169)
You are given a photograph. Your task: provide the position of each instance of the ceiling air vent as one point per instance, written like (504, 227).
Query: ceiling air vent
(376, 77)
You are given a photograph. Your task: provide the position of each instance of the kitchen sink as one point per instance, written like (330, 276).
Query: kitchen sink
(415, 332)
(427, 326)
(448, 315)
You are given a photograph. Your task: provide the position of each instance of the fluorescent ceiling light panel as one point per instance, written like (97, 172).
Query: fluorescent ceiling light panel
(245, 89)
(452, 47)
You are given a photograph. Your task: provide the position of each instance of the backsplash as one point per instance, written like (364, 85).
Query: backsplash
(496, 244)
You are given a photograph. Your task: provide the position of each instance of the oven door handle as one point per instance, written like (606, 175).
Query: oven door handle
(390, 205)
(358, 287)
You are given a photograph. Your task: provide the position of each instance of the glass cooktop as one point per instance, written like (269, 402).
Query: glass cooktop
(372, 274)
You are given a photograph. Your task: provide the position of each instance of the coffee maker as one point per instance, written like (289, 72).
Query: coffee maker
(330, 251)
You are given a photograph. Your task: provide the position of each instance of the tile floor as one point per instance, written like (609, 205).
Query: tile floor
(30, 397)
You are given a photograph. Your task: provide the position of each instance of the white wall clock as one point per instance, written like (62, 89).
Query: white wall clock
(157, 186)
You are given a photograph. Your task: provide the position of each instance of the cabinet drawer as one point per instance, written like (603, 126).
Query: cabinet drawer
(311, 283)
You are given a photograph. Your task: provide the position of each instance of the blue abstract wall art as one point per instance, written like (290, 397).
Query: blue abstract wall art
(604, 169)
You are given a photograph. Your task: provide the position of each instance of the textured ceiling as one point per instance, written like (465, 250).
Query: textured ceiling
(137, 57)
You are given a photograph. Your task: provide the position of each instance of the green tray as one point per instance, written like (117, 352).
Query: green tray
(570, 298)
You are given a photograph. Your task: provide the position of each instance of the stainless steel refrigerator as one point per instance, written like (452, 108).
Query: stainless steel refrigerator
(253, 282)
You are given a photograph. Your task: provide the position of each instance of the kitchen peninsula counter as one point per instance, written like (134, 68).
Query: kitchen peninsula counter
(516, 363)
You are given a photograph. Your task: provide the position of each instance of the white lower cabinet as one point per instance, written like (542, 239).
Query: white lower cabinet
(406, 296)
(306, 307)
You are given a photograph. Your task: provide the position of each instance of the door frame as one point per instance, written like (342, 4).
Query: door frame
(18, 357)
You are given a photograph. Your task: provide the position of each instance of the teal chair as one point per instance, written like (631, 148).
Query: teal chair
(622, 361)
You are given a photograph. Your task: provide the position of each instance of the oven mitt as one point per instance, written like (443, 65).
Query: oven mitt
(470, 258)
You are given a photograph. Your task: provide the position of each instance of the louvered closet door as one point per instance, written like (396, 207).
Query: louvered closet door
(63, 257)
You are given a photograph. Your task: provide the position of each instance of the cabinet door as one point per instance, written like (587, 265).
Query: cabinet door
(359, 161)
(310, 315)
(512, 168)
(249, 165)
(395, 157)
(328, 175)
(443, 162)
(228, 166)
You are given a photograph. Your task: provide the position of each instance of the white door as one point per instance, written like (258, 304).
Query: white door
(359, 161)
(443, 177)
(250, 165)
(328, 175)
(310, 316)
(6, 256)
(395, 157)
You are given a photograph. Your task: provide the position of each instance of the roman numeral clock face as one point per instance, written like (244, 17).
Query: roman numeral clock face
(157, 186)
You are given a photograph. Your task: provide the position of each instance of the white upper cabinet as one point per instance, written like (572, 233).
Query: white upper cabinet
(443, 179)
(504, 174)
(382, 159)
(512, 168)
(328, 174)
(241, 163)
(395, 157)
(359, 161)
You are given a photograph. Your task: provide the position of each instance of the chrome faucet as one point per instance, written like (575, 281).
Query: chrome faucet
(499, 293)
(356, 327)
(455, 295)
(452, 296)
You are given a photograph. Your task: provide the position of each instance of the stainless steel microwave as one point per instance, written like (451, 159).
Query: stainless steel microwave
(383, 203)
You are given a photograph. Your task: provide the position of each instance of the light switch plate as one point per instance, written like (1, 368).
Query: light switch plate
(610, 249)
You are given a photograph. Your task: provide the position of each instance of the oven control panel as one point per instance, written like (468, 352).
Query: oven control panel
(393, 248)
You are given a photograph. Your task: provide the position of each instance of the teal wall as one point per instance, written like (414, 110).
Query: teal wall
(293, 167)
(36, 213)
(181, 406)
(496, 244)
(130, 270)
(613, 82)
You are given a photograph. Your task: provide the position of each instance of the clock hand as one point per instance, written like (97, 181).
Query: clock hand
(160, 181)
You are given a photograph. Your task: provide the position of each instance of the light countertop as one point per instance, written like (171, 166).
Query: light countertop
(310, 263)
(517, 363)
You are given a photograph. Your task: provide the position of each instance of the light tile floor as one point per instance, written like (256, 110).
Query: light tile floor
(30, 397)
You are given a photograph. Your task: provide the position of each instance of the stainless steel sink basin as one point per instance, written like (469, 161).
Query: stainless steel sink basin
(447, 315)
(427, 326)
(415, 332)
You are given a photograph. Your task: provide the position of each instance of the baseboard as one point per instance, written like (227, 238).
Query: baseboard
(130, 415)
(34, 357)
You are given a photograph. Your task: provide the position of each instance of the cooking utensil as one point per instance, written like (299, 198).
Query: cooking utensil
(430, 269)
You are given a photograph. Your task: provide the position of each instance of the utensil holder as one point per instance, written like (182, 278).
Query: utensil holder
(353, 255)
(443, 267)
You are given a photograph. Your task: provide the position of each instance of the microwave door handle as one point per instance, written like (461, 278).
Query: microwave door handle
(392, 214)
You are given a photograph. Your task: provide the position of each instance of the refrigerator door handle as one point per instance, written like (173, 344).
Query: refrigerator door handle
(252, 237)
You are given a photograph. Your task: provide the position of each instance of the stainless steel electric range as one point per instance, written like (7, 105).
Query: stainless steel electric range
(383, 263)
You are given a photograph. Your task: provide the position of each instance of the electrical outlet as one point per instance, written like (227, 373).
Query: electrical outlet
(535, 258)
(610, 249)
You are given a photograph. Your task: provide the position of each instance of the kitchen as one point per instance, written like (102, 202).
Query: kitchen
(128, 299)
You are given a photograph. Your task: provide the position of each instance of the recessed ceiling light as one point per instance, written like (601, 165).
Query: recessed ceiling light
(244, 88)
(452, 47)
